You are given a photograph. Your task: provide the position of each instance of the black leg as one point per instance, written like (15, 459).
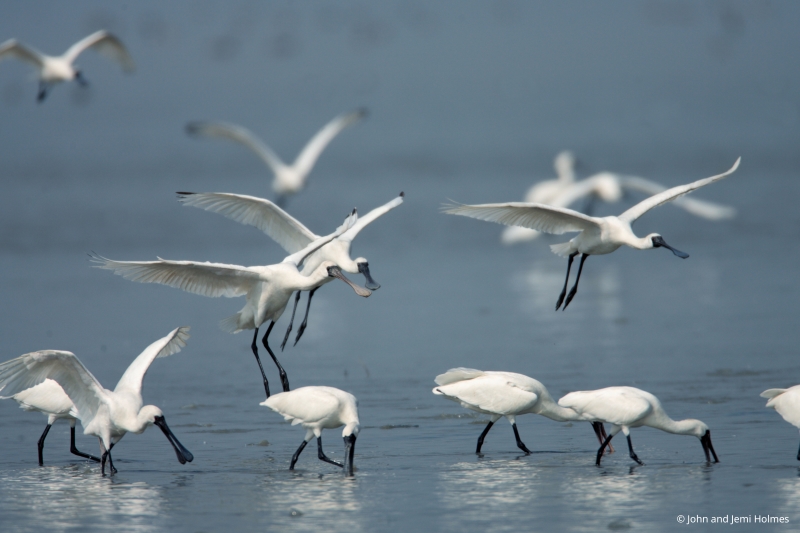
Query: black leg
(566, 280)
(574, 290)
(75, 450)
(284, 377)
(633, 454)
(305, 318)
(254, 347)
(42, 92)
(291, 320)
(41, 443)
(520, 444)
(483, 436)
(603, 447)
(600, 431)
(798, 455)
(81, 80)
(296, 455)
(322, 456)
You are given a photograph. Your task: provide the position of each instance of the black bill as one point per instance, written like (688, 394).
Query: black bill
(659, 242)
(183, 454)
(705, 440)
(336, 272)
(349, 449)
(371, 284)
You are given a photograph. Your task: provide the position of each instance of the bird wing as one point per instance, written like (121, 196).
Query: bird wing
(206, 279)
(308, 156)
(546, 218)
(457, 374)
(14, 48)
(298, 257)
(700, 208)
(362, 222)
(632, 214)
(132, 379)
(62, 367)
(47, 397)
(105, 43)
(491, 394)
(233, 132)
(580, 189)
(281, 227)
(306, 405)
(615, 405)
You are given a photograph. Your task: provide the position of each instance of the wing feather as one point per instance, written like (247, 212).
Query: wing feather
(105, 43)
(311, 152)
(14, 48)
(132, 379)
(546, 218)
(261, 213)
(362, 222)
(615, 405)
(206, 279)
(700, 208)
(632, 214)
(236, 133)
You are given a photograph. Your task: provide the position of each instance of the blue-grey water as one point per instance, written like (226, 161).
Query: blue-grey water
(469, 101)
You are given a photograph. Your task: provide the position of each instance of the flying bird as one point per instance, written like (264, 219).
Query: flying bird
(318, 408)
(105, 414)
(288, 179)
(267, 289)
(293, 236)
(56, 69)
(629, 407)
(597, 235)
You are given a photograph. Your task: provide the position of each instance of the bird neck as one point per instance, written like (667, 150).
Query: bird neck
(549, 408)
(640, 243)
(681, 427)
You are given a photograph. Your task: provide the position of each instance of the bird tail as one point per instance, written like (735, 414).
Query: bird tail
(563, 248)
(231, 324)
(772, 394)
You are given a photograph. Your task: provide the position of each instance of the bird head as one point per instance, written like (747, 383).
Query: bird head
(335, 272)
(657, 241)
(183, 454)
(363, 268)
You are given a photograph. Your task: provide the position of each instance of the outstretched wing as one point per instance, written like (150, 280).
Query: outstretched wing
(132, 379)
(62, 367)
(206, 279)
(362, 222)
(281, 227)
(319, 242)
(546, 218)
(233, 132)
(631, 215)
(700, 208)
(309, 155)
(14, 48)
(105, 43)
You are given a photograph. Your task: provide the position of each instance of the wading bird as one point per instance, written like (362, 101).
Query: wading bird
(597, 236)
(293, 236)
(787, 403)
(504, 394)
(318, 408)
(289, 179)
(106, 414)
(267, 289)
(49, 398)
(55, 69)
(629, 407)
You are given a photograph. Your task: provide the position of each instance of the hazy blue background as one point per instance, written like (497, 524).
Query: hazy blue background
(469, 101)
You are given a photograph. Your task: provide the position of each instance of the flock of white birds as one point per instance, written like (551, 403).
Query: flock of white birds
(57, 384)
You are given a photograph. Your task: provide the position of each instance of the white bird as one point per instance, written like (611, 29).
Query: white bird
(504, 394)
(787, 403)
(49, 398)
(56, 69)
(629, 407)
(267, 289)
(611, 187)
(293, 236)
(318, 408)
(106, 414)
(289, 179)
(598, 235)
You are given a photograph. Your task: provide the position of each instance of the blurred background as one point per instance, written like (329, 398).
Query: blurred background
(468, 101)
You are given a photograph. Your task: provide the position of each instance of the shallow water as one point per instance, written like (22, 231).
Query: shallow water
(469, 101)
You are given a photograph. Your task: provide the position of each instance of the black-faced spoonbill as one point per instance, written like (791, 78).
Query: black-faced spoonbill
(293, 236)
(289, 179)
(787, 403)
(504, 394)
(106, 414)
(318, 408)
(55, 69)
(267, 289)
(629, 407)
(597, 236)
(49, 398)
